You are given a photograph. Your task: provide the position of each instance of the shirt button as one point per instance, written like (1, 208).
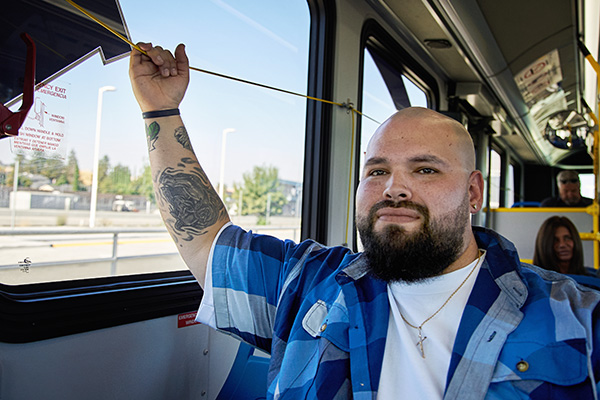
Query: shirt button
(522, 366)
(323, 327)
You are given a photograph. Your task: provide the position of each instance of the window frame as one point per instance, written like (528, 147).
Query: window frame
(40, 311)
(376, 39)
(319, 129)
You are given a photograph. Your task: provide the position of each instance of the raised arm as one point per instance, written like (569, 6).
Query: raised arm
(190, 207)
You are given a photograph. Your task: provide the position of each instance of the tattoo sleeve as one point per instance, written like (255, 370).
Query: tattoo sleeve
(192, 202)
(152, 131)
(182, 137)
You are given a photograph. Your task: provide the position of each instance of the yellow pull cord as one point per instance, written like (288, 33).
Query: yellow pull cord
(350, 191)
(133, 45)
(348, 105)
(111, 30)
(233, 78)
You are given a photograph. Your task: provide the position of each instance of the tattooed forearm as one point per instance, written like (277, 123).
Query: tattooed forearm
(187, 161)
(192, 201)
(182, 137)
(152, 131)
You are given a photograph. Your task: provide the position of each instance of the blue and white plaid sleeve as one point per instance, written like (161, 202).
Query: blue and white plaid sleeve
(206, 312)
(249, 272)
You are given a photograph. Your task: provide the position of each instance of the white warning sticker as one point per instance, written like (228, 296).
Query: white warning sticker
(44, 131)
(540, 78)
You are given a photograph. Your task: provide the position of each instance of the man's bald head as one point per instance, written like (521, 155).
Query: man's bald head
(433, 125)
(417, 191)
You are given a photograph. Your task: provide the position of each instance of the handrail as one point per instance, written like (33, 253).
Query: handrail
(595, 152)
(58, 231)
(115, 232)
(545, 209)
(592, 210)
(83, 231)
(75, 231)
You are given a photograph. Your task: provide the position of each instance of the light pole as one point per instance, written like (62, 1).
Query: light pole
(13, 200)
(222, 174)
(94, 199)
(268, 208)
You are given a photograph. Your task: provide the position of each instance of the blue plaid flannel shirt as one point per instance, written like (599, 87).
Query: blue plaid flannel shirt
(525, 332)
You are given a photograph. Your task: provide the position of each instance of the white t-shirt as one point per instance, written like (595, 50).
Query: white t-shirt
(405, 373)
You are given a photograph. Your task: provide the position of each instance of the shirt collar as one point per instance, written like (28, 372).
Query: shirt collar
(496, 245)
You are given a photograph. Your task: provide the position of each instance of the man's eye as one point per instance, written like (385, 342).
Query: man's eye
(377, 172)
(427, 171)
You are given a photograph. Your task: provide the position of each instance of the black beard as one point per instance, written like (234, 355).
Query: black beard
(394, 255)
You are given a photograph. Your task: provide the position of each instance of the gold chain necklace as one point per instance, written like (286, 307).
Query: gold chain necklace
(420, 327)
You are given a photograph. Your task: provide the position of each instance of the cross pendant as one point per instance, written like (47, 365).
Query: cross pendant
(420, 342)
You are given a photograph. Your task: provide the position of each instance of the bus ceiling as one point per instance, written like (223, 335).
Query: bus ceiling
(514, 62)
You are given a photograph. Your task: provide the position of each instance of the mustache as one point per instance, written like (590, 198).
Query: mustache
(399, 204)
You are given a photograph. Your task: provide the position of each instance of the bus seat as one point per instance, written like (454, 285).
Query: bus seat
(526, 204)
(247, 379)
(591, 271)
(589, 281)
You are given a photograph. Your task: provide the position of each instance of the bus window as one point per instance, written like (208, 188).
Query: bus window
(510, 186)
(377, 101)
(384, 91)
(587, 185)
(495, 176)
(249, 140)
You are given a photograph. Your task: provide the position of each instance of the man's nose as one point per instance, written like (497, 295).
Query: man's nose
(397, 189)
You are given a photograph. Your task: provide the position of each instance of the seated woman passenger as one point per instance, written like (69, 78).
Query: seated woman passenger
(558, 247)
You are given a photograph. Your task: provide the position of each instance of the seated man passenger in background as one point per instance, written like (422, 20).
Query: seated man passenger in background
(569, 192)
(433, 308)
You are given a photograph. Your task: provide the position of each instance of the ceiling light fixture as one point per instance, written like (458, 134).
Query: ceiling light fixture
(438, 43)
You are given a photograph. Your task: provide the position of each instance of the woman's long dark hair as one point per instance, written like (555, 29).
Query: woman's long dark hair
(544, 255)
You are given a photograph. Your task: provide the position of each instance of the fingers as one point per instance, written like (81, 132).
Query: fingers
(136, 56)
(161, 58)
(138, 61)
(144, 46)
(183, 64)
(164, 60)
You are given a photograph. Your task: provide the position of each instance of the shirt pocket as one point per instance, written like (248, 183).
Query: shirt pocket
(330, 323)
(546, 369)
(314, 320)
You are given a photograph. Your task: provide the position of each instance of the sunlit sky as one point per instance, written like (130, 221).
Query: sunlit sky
(265, 42)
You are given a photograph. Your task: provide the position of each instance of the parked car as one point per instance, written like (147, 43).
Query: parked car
(123, 205)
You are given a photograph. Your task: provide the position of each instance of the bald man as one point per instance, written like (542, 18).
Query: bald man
(433, 308)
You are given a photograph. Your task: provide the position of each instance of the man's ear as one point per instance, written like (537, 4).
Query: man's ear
(475, 191)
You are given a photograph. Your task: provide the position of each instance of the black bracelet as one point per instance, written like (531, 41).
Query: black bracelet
(160, 113)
